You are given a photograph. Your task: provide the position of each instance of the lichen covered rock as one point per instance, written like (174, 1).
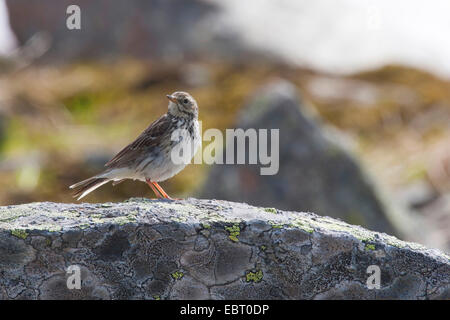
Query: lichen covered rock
(204, 249)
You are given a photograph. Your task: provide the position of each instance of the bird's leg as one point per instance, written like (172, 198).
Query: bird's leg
(163, 193)
(150, 184)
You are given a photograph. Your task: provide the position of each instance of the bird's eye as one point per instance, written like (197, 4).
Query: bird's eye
(185, 101)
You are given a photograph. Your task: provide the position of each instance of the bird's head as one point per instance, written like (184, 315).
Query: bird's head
(182, 104)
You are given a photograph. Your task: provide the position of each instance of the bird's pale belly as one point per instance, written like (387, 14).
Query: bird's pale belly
(165, 165)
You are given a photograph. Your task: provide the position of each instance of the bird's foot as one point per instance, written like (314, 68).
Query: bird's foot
(174, 199)
(159, 192)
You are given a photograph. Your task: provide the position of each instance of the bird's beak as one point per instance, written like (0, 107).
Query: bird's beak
(171, 98)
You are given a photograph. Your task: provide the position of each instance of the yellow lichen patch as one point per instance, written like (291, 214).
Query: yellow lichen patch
(254, 276)
(177, 275)
(19, 233)
(234, 232)
(271, 210)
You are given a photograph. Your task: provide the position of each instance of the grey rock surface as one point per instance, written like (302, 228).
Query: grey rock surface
(317, 172)
(205, 249)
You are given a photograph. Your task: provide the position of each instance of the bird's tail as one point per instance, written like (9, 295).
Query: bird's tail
(87, 186)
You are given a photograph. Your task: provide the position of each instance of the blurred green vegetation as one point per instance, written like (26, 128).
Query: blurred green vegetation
(62, 123)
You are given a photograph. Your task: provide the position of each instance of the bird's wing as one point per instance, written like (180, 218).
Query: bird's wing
(149, 138)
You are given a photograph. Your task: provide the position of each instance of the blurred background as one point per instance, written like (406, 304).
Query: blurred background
(360, 90)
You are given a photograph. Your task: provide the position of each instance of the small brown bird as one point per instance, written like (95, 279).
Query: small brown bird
(150, 157)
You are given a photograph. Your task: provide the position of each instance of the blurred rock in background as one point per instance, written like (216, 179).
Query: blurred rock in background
(316, 172)
(156, 29)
